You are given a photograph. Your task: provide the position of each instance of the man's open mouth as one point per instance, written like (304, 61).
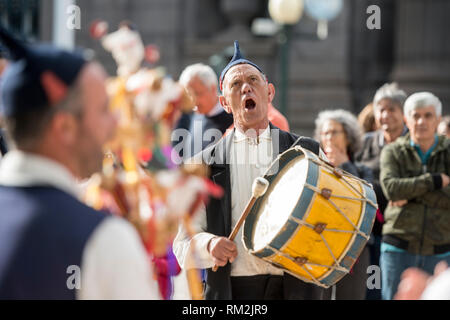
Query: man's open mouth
(250, 104)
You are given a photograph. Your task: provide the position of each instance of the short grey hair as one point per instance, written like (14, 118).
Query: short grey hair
(421, 100)
(390, 91)
(201, 71)
(348, 121)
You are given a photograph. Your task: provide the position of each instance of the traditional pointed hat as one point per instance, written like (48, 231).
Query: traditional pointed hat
(236, 59)
(38, 75)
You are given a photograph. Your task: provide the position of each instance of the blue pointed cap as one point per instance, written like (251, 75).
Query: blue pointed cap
(37, 76)
(236, 59)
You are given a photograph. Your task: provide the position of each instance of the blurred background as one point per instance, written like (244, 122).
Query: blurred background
(320, 54)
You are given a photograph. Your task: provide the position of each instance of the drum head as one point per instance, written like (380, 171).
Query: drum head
(279, 201)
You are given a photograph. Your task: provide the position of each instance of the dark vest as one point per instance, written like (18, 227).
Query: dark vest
(218, 211)
(43, 231)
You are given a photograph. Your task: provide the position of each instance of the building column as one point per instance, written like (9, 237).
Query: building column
(422, 55)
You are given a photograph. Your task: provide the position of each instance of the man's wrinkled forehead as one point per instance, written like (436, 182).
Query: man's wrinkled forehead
(243, 69)
(423, 110)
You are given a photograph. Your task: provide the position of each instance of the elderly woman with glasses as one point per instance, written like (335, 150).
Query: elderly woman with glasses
(339, 134)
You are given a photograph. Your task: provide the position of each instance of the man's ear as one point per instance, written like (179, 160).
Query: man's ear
(223, 102)
(271, 89)
(65, 127)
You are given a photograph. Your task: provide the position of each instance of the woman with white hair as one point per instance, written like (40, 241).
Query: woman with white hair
(339, 134)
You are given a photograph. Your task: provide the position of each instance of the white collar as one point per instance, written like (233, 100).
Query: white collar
(215, 110)
(241, 136)
(21, 169)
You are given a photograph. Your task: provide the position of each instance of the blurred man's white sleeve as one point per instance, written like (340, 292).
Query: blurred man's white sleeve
(192, 252)
(116, 265)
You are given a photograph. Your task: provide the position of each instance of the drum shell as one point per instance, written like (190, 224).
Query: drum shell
(296, 241)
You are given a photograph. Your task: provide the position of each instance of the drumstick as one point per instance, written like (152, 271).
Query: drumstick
(259, 188)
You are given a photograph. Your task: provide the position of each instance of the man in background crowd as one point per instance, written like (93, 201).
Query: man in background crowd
(415, 179)
(206, 125)
(388, 111)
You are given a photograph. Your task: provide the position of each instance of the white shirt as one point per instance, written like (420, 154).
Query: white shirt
(115, 264)
(248, 161)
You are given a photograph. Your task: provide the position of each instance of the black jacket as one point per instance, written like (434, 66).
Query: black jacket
(218, 211)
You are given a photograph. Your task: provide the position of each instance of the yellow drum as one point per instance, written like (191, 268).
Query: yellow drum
(313, 221)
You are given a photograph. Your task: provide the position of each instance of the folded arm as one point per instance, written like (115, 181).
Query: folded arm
(396, 187)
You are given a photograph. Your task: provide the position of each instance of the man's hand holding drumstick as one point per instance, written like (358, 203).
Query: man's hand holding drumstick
(224, 250)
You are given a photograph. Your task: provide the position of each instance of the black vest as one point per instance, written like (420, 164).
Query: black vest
(43, 231)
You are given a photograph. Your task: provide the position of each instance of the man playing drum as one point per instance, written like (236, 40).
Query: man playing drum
(234, 162)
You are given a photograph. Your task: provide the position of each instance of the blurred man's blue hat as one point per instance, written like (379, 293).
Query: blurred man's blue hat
(237, 59)
(38, 75)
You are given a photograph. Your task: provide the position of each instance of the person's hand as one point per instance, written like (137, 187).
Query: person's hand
(222, 250)
(336, 156)
(414, 281)
(398, 203)
(445, 180)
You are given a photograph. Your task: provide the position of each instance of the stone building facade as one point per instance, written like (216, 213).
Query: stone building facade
(342, 71)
